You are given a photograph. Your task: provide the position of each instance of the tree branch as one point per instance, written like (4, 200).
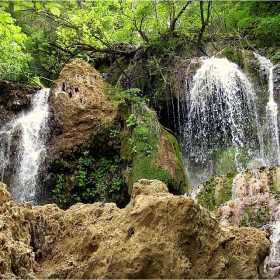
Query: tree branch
(173, 22)
(204, 23)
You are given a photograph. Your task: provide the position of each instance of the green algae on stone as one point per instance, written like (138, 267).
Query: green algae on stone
(216, 191)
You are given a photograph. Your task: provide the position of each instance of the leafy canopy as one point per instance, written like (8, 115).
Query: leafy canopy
(46, 34)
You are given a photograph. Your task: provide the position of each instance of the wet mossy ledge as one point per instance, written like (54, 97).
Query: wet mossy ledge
(215, 191)
(249, 198)
(103, 140)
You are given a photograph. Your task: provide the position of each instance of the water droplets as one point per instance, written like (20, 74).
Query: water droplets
(29, 128)
(221, 115)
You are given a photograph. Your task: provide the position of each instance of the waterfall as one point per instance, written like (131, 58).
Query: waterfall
(272, 154)
(272, 150)
(22, 144)
(222, 131)
(272, 262)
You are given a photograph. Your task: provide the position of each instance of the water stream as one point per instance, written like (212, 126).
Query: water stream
(22, 143)
(272, 149)
(222, 131)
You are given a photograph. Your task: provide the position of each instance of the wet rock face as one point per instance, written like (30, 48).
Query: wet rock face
(254, 198)
(13, 99)
(77, 104)
(157, 235)
(252, 201)
(276, 82)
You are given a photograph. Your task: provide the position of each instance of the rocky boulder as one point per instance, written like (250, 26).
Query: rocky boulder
(157, 235)
(102, 140)
(77, 104)
(249, 198)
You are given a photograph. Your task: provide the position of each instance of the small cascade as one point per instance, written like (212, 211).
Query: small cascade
(22, 144)
(272, 150)
(221, 132)
(272, 262)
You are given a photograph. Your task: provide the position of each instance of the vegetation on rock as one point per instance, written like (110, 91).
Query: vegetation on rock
(216, 191)
(112, 141)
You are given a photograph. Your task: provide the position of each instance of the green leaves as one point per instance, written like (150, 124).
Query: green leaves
(54, 8)
(12, 55)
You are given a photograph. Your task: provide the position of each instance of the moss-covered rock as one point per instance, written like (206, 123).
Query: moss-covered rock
(216, 191)
(104, 140)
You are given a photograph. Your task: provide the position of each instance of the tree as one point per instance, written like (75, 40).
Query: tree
(204, 23)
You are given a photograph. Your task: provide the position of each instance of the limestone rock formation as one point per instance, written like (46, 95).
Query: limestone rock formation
(248, 199)
(78, 104)
(157, 235)
(95, 129)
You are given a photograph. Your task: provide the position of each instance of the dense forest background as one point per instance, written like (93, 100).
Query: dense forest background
(39, 37)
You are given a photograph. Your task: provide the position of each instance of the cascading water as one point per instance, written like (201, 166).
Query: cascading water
(272, 154)
(272, 149)
(29, 129)
(222, 131)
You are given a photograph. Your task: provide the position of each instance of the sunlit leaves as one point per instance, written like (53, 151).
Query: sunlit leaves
(54, 8)
(12, 56)
(8, 27)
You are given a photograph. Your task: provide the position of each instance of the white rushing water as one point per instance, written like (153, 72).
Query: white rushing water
(272, 149)
(272, 262)
(30, 129)
(221, 124)
(272, 153)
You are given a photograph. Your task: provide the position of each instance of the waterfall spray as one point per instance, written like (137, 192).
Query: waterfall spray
(272, 151)
(30, 128)
(221, 128)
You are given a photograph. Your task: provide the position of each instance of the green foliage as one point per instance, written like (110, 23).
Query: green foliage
(131, 121)
(95, 180)
(267, 31)
(58, 191)
(98, 181)
(12, 57)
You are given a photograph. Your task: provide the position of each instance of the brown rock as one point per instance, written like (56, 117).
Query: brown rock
(157, 235)
(4, 194)
(78, 104)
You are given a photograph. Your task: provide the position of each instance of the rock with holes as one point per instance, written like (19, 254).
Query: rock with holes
(158, 235)
(78, 104)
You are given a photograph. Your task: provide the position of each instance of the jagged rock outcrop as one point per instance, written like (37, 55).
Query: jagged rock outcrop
(98, 134)
(78, 104)
(249, 198)
(157, 235)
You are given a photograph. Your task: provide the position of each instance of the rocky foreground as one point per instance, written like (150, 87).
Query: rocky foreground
(158, 235)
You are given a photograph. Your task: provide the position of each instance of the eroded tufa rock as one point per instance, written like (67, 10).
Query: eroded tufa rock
(78, 104)
(157, 235)
(4, 194)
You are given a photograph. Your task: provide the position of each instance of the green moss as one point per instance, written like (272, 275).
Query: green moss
(216, 191)
(103, 68)
(253, 217)
(180, 174)
(225, 160)
(234, 56)
(145, 143)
